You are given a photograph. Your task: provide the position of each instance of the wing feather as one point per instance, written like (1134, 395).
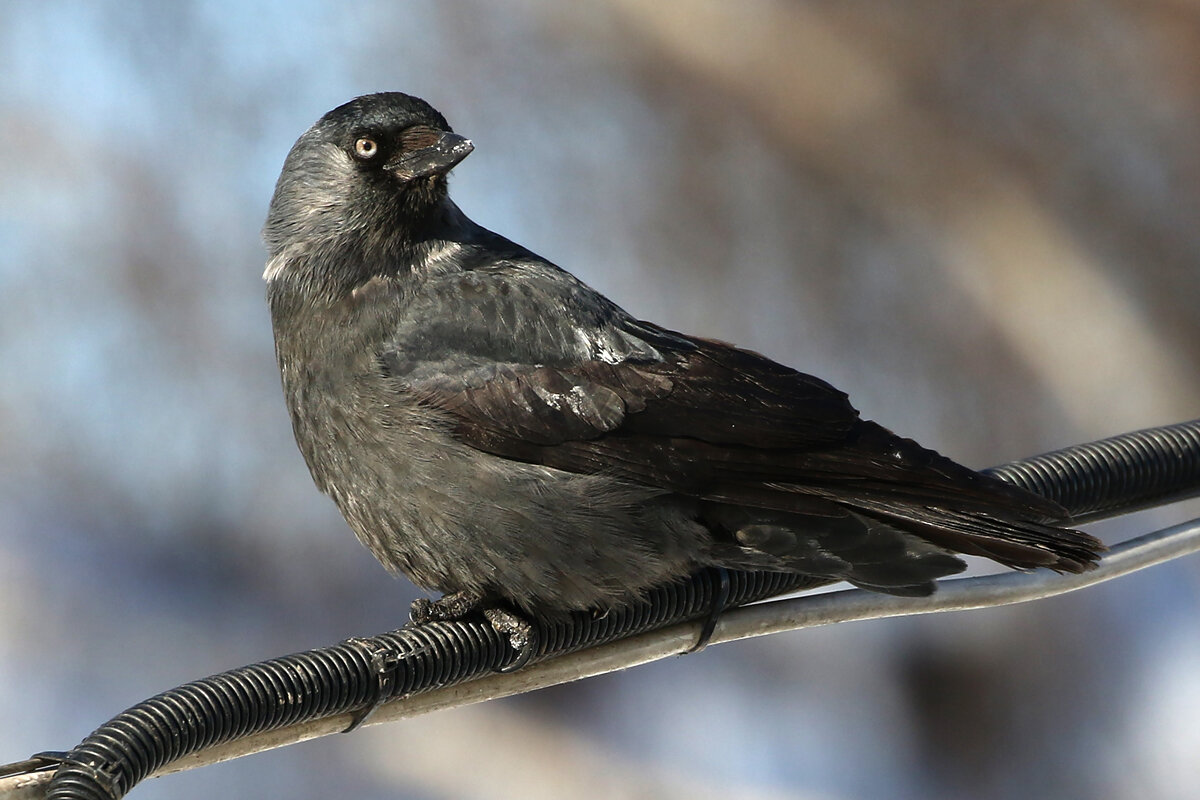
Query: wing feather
(708, 420)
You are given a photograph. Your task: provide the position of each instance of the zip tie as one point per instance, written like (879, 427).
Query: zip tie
(383, 661)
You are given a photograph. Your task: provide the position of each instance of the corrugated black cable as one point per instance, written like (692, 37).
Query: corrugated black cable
(1103, 478)
(1124, 473)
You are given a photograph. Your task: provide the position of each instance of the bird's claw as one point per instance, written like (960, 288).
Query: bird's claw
(522, 636)
(421, 611)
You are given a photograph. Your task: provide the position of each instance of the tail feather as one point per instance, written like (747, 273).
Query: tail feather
(1021, 544)
(959, 509)
(885, 514)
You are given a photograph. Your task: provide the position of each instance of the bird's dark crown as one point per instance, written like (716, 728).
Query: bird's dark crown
(385, 112)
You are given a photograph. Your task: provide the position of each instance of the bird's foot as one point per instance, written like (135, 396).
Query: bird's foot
(521, 634)
(448, 608)
(719, 604)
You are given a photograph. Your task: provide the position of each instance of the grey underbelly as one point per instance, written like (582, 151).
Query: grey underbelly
(455, 519)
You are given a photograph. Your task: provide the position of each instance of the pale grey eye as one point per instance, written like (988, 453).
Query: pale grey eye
(366, 148)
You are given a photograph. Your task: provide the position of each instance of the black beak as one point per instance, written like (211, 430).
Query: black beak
(437, 159)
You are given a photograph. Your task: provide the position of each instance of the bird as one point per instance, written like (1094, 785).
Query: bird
(498, 431)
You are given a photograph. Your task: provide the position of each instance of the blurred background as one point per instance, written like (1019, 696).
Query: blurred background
(979, 219)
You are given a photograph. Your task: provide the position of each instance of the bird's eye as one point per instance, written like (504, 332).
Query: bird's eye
(366, 148)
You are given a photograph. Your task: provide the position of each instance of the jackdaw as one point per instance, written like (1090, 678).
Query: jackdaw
(497, 430)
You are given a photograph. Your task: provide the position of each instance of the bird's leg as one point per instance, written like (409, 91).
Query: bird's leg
(521, 634)
(447, 608)
(719, 603)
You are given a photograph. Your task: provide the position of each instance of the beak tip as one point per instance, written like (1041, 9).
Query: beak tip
(436, 159)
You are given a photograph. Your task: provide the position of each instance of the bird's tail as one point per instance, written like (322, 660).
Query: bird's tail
(968, 512)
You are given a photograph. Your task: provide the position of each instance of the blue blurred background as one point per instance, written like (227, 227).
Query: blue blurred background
(978, 219)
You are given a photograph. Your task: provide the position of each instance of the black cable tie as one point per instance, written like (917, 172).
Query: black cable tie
(719, 603)
(99, 776)
(383, 662)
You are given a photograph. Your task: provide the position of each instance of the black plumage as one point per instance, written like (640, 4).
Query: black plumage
(497, 430)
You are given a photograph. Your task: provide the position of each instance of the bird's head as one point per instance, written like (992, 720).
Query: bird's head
(369, 174)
